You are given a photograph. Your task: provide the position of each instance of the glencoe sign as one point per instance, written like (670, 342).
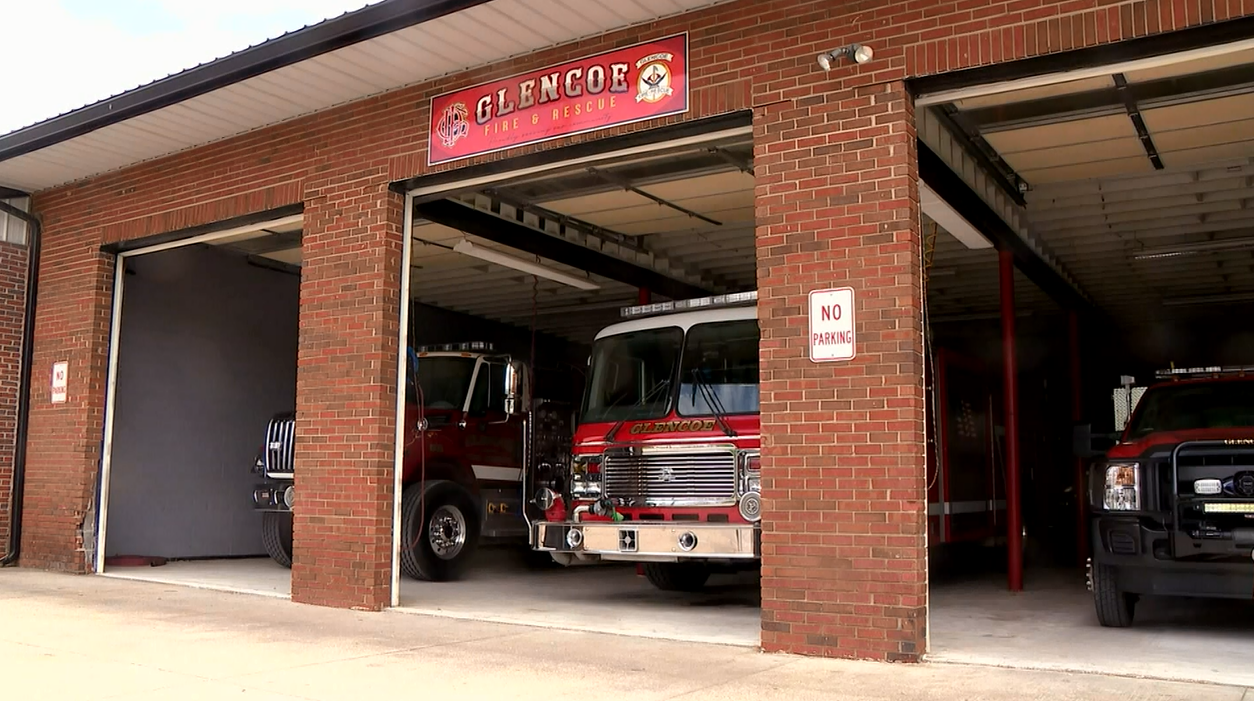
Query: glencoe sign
(639, 82)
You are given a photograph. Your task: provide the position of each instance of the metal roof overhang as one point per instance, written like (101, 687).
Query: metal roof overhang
(381, 47)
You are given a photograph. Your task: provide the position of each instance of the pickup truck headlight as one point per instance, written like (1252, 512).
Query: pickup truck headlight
(585, 477)
(1123, 487)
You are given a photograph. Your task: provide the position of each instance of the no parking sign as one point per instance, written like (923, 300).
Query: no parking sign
(832, 325)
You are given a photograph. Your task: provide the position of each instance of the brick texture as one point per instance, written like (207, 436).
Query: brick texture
(12, 311)
(345, 392)
(844, 576)
(844, 567)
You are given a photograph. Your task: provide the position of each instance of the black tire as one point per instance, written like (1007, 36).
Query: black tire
(276, 536)
(677, 576)
(1115, 608)
(453, 510)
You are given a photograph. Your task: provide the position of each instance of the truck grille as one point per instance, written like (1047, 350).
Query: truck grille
(659, 477)
(279, 450)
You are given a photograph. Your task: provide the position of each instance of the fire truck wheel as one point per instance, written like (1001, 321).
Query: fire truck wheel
(440, 536)
(677, 576)
(1114, 607)
(276, 536)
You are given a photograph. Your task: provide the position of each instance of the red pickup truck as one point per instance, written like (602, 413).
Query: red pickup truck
(1172, 502)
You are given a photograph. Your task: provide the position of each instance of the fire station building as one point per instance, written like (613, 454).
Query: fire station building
(991, 192)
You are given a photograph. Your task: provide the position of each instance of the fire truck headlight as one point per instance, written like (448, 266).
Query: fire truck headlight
(1123, 487)
(750, 472)
(585, 477)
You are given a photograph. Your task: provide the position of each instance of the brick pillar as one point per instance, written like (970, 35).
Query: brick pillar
(844, 569)
(346, 393)
(12, 317)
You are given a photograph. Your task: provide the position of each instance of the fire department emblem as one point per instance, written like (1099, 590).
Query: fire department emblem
(654, 84)
(668, 474)
(454, 124)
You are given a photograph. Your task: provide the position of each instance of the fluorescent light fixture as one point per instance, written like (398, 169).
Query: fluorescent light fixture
(1188, 249)
(950, 220)
(1210, 299)
(465, 247)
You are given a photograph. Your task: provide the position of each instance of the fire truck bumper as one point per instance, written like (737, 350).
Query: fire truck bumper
(642, 541)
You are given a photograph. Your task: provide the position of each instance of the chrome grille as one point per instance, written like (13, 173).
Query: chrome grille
(654, 477)
(279, 451)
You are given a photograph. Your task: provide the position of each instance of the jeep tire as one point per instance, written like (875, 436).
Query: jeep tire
(677, 576)
(439, 531)
(1115, 608)
(276, 536)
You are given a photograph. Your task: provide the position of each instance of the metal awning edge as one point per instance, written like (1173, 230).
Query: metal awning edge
(293, 47)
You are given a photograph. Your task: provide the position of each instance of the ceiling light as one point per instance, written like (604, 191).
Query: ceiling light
(1188, 249)
(1209, 299)
(467, 248)
(950, 220)
(860, 53)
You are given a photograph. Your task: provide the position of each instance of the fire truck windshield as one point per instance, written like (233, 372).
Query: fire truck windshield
(631, 375)
(445, 381)
(1183, 407)
(719, 374)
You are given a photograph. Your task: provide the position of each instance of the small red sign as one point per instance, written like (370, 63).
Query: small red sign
(639, 82)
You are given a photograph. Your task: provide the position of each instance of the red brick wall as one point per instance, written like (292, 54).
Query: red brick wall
(346, 392)
(747, 54)
(843, 548)
(12, 312)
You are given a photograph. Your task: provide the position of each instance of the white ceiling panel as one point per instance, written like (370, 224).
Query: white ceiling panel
(489, 33)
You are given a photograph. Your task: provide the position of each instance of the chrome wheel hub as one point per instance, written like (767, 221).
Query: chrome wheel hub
(447, 532)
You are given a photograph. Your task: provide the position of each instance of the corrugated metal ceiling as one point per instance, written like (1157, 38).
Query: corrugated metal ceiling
(485, 34)
(1139, 240)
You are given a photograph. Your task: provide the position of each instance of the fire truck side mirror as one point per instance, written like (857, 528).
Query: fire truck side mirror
(516, 399)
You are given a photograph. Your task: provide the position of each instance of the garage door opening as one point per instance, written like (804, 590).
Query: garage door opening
(533, 266)
(203, 354)
(1134, 183)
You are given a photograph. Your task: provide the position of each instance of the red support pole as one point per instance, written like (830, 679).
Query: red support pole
(1077, 413)
(643, 296)
(1014, 519)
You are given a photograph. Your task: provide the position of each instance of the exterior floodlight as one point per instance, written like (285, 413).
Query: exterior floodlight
(860, 53)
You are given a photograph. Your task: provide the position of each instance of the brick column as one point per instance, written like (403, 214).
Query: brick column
(346, 392)
(844, 569)
(12, 319)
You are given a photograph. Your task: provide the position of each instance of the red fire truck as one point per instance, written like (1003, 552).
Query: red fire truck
(666, 458)
(470, 433)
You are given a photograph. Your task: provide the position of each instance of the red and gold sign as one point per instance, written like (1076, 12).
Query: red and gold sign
(617, 87)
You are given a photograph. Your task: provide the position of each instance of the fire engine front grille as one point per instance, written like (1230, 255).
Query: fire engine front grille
(694, 477)
(279, 451)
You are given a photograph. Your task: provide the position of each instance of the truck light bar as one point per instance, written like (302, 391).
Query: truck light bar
(1206, 371)
(1228, 508)
(734, 299)
(450, 347)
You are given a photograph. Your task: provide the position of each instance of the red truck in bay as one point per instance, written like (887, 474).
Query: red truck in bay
(1171, 502)
(666, 466)
(471, 434)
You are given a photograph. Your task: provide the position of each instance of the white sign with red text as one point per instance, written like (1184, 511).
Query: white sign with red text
(60, 381)
(831, 325)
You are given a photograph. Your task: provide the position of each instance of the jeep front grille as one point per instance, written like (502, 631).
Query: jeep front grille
(667, 477)
(279, 453)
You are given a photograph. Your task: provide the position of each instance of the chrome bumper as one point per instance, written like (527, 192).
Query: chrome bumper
(641, 541)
